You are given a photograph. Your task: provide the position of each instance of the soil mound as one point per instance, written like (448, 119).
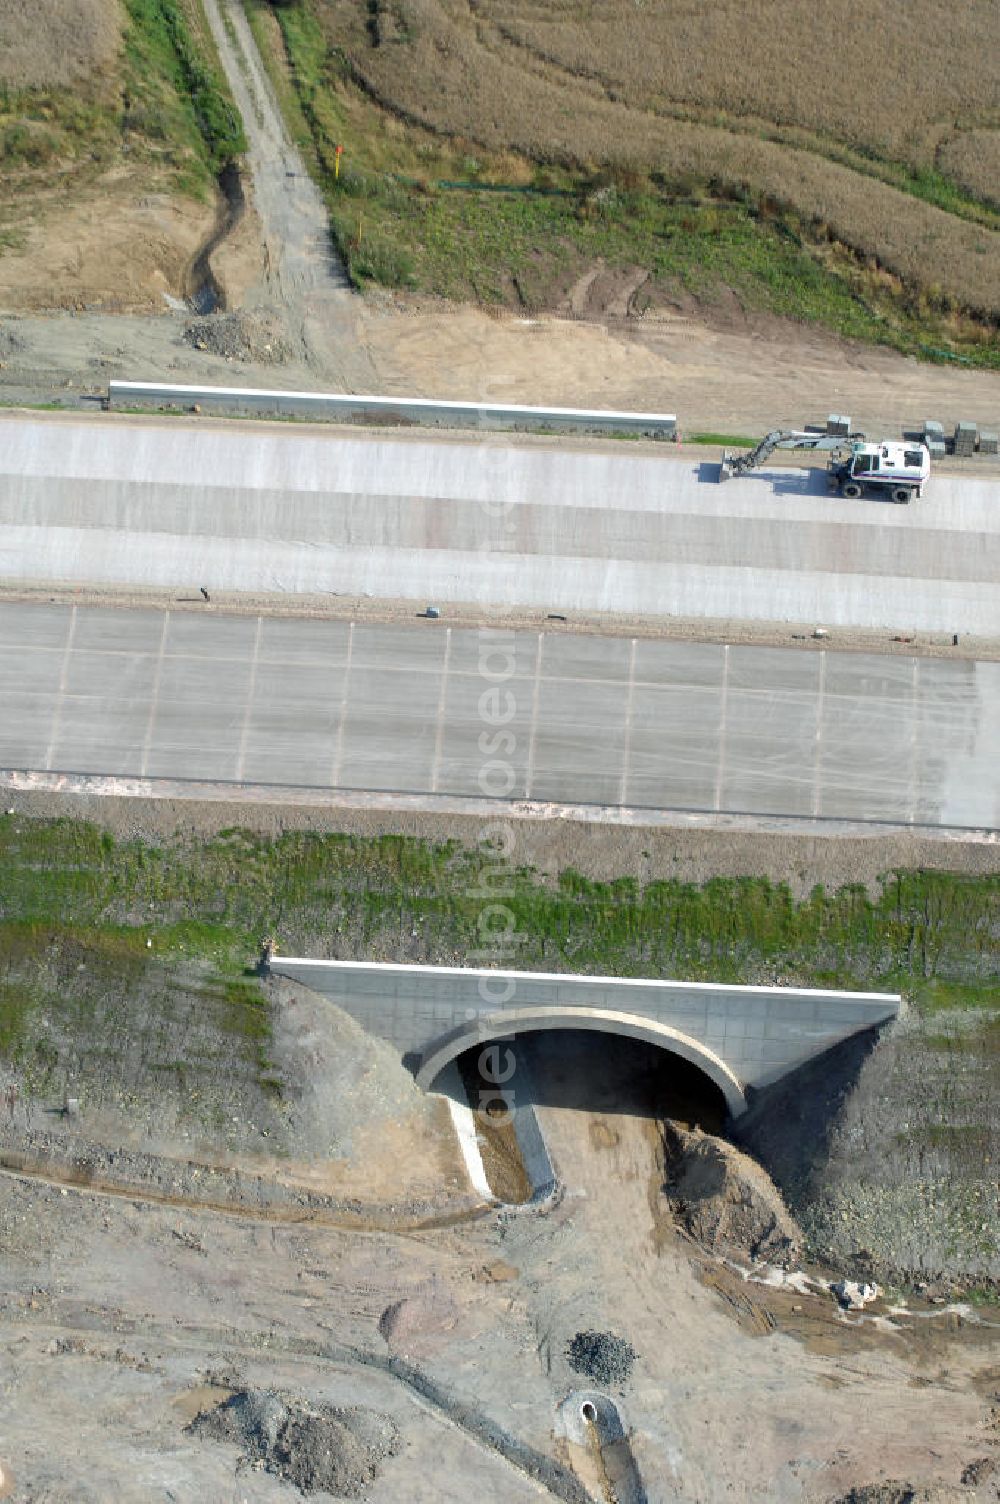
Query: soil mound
(318, 1448)
(239, 336)
(417, 1325)
(727, 1201)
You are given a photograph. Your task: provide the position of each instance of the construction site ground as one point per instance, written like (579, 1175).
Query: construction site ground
(160, 1260)
(745, 379)
(140, 1315)
(156, 1264)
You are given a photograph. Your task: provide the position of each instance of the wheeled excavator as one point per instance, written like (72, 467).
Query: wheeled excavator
(856, 466)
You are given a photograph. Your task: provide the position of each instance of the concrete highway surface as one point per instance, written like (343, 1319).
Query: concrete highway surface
(426, 709)
(499, 521)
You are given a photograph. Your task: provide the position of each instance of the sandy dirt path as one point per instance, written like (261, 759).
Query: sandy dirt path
(304, 278)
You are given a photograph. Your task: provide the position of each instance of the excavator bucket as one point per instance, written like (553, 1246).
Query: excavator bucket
(726, 468)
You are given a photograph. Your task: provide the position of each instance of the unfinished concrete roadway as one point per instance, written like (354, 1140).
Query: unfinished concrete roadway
(434, 712)
(500, 521)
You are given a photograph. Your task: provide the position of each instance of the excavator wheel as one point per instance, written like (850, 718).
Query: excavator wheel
(900, 495)
(851, 490)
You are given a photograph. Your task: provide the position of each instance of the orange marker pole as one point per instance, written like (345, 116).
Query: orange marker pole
(336, 163)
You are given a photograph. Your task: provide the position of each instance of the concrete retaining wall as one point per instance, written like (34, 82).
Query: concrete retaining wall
(390, 412)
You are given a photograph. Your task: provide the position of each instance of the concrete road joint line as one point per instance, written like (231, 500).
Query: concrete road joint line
(338, 751)
(154, 698)
(529, 771)
(248, 707)
(914, 741)
(720, 771)
(129, 786)
(627, 727)
(61, 692)
(442, 703)
(817, 797)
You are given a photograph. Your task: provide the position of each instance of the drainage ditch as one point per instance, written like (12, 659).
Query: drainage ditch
(202, 289)
(496, 1135)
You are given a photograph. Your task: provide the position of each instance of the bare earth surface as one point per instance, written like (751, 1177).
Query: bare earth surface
(716, 367)
(743, 381)
(140, 1315)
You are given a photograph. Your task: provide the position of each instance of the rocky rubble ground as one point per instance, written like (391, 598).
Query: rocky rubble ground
(241, 336)
(318, 1448)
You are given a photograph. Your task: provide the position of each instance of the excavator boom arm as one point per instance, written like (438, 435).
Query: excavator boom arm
(782, 438)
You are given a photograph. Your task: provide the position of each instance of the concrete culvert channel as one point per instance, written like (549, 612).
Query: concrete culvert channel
(597, 1441)
(496, 1133)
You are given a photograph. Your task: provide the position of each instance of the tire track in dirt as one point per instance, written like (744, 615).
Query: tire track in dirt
(312, 1211)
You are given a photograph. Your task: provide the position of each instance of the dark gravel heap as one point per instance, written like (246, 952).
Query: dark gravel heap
(602, 1356)
(319, 1448)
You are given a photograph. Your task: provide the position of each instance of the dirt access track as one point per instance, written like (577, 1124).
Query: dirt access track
(747, 378)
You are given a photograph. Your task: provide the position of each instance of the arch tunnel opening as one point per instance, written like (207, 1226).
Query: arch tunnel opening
(492, 1034)
(582, 1071)
(601, 1078)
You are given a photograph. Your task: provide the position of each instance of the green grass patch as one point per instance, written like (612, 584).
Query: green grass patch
(170, 106)
(931, 934)
(179, 90)
(963, 1138)
(120, 958)
(721, 440)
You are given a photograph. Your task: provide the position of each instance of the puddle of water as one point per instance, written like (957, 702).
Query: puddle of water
(191, 1402)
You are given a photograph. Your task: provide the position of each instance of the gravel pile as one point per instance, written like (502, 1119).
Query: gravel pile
(601, 1356)
(318, 1448)
(238, 336)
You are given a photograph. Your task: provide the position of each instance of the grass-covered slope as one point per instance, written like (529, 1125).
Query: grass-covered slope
(92, 85)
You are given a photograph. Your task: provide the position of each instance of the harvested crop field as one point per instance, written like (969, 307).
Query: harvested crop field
(763, 105)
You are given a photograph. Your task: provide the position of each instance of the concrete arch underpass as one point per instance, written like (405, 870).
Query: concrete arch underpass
(504, 1025)
(739, 1037)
